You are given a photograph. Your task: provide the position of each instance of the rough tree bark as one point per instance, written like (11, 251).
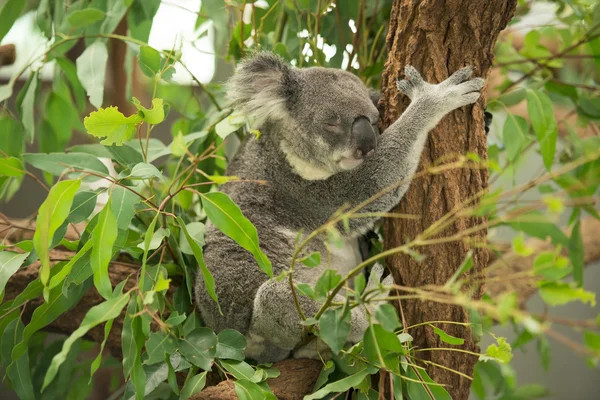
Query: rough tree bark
(438, 37)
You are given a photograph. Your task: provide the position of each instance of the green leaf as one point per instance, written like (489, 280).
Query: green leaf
(145, 171)
(592, 341)
(199, 347)
(507, 304)
(178, 146)
(444, 337)
(378, 342)
(91, 71)
(229, 125)
(28, 107)
(79, 260)
(559, 293)
(514, 135)
(129, 335)
(98, 360)
(328, 368)
(138, 381)
(520, 247)
(159, 344)
(192, 322)
(230, 345)
(388, 317)
(417, 390)
(85, 17)
(111, 124)
(140, 18)
(247, 390)
(51, 215)
(46, 313)
(500, 352)
(541, 113)
(207, 278)
(103, 312)
(512, 98)
(125, 155)
(153, 376)
(57, 163)
(537, 225)
(312, 260)
(123, 203)
(8, 15)
(193, 385)
(9, 264)
(239, 369)
(11, 166)
(576, 253)
(327, 281)
(103, 239)
(70, 72)
(334, 327)
(196, 231)
(228, 218)
(340, 386)
(19, 373)
(82, 207)
(153, 116)
(149, 59)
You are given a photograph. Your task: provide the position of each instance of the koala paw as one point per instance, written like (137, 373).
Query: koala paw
(456, 91)
(460, 90)
(375, 281)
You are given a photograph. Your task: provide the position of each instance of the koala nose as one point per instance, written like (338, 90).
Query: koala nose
(364, 137)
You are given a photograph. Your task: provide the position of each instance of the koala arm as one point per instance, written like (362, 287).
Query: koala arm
(400, 146)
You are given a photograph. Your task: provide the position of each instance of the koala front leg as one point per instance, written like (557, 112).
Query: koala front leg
(401, 145)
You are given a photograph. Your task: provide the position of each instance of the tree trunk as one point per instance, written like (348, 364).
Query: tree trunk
(438, 37)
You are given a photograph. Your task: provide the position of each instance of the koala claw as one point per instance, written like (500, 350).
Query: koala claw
(412, 82)
(375, 280)
(412, 75)
(460, 76)
(388, 280)
(375, 276)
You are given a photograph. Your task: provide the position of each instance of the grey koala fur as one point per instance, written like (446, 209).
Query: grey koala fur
(319, 150)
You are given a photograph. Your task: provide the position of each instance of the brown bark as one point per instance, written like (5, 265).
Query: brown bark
(438, 37)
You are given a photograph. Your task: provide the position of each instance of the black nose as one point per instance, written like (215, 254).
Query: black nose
(364, 137)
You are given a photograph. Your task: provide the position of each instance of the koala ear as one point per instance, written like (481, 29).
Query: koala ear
(263, 86)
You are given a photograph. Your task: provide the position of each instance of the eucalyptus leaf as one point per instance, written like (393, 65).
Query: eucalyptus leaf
(334, 327)
(199, 347)
(103, 239)
(193, 385)
(9, 264)
(103, 312)
(51, 215)
(91, 71)
(228, 218)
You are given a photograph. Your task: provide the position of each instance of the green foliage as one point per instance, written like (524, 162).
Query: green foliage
(152, 212)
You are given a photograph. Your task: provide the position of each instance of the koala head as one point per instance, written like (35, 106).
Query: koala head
(324, 119)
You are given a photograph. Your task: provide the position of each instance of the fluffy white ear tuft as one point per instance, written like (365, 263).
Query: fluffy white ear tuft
(262, 87)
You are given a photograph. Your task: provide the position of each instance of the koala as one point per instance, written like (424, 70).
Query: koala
(319, 150)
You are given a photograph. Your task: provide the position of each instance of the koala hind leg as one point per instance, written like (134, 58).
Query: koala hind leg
(275, 330)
